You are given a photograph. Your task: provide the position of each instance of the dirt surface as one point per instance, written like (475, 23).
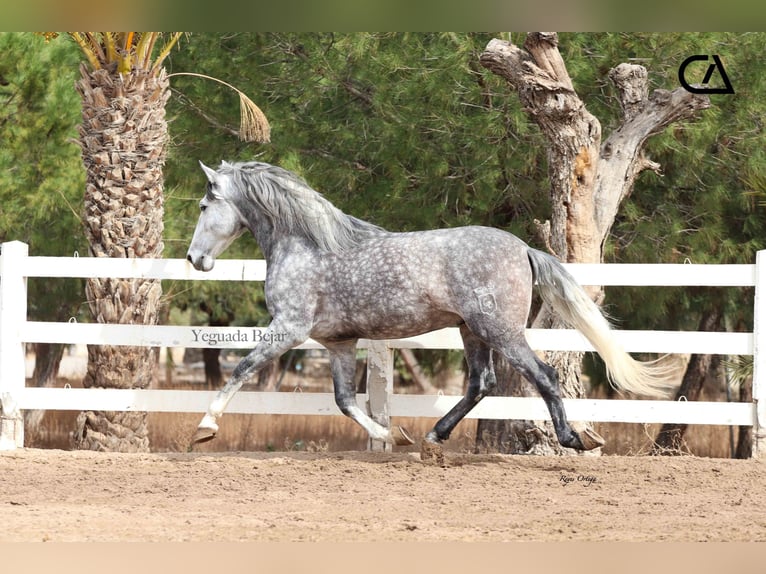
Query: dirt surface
(84, 496)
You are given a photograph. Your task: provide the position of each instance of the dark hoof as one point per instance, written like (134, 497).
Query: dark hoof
(590, 439)
(202, 435)
(431, 452)
(401, 437)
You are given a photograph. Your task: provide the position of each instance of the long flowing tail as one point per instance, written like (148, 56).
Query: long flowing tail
(562, 292)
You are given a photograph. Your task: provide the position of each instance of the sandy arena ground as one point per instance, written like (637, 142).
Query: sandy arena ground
(84, 496)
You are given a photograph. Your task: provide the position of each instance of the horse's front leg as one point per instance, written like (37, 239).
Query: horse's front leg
(343, 367)
(275, 341)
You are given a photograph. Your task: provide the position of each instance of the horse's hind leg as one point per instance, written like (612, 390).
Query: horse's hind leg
(343, 367)
(481, 380)
(525, 361)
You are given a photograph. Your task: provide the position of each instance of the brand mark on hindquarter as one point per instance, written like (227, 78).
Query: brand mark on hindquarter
(486, 297)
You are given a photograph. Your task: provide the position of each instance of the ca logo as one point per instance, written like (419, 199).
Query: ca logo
(716, 65)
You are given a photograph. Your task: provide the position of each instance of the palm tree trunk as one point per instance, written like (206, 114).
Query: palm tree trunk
(123, 138)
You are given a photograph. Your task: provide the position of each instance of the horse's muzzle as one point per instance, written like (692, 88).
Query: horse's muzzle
(202, 263)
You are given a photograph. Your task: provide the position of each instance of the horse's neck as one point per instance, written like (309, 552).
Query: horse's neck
(264, 236)
(276, 249)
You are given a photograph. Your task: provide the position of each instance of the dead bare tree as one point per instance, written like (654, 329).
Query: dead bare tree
(589, 179)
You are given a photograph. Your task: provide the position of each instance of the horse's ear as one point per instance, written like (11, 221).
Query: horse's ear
(212, 175)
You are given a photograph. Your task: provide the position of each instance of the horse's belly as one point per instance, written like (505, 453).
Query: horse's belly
(381, 321)
(409, 326)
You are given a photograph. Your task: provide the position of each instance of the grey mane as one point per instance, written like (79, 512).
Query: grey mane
(293, 207)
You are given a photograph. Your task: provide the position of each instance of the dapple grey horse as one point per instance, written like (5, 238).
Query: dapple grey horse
(336, 279)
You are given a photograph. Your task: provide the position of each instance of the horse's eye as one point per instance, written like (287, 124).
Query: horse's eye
(202, 207)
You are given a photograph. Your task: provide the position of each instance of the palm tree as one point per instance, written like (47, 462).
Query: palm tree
(123, 136)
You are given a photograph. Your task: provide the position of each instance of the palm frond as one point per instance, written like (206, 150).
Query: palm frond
(254, 126)
(740, 370)
(165, 51)
(144, 49)
(110, 47)
(88, 49)
(128, 50)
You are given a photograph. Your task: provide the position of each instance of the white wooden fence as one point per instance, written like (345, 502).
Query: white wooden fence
(15, 330)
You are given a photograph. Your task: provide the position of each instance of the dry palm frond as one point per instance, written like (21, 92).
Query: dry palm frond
(254, 127)
(144, 48)
(109, 45)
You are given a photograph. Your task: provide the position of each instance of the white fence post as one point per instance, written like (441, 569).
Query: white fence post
(380, 386)
(13, 314)
(759, 357)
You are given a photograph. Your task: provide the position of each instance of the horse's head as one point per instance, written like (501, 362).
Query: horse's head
(220, 222)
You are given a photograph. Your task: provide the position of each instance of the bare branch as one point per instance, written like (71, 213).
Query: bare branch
(544, 47)
(631, 81)
(622, 158)
(574, 134)
(544, 233)
(208, 118)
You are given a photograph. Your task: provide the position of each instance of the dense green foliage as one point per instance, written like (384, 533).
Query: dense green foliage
(41, 174)
(707, 207)
(402, 130)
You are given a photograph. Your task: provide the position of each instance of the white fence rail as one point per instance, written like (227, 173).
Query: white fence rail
(15, 331)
